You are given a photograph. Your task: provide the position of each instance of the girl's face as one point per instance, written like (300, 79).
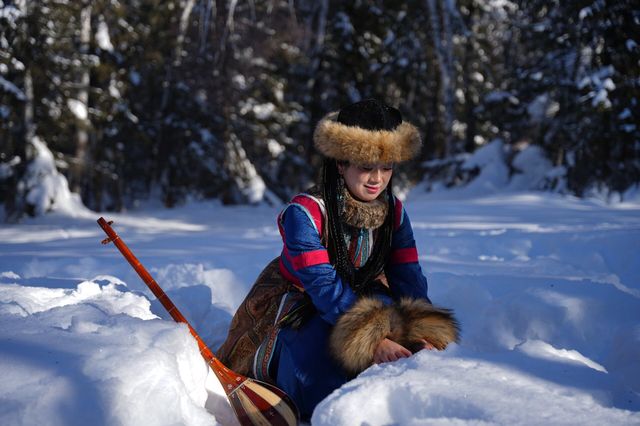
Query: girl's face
(366, 182)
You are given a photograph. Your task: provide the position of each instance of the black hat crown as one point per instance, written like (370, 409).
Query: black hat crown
(370, 114)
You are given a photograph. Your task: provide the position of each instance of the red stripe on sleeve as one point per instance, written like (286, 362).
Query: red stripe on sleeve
(405, 255)
(310, 258)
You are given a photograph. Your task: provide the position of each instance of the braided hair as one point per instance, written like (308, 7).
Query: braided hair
(358, 279)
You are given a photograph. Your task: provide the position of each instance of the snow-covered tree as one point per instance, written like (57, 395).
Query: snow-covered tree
(218, 98)
(575, 79)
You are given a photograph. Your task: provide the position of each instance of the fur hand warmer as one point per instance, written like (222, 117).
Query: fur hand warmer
(358, 332)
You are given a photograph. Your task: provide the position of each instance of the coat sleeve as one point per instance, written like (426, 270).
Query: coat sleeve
(307, 260)
(403, 270)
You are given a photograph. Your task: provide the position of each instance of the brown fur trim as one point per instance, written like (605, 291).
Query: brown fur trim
(365, 214)
(358, 332)
(422, 321)
(362, 146)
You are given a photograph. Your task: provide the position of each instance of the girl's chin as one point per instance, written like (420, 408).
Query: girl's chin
(367, 196)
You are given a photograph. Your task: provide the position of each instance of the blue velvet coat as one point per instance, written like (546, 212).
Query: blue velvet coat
(302, 365)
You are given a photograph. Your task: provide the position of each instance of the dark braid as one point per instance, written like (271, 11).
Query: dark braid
(338, 253)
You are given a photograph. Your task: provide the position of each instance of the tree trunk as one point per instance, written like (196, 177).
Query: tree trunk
(14, 202)
(470, 99)
(182, 31)
(443, 45)
(83, 124)
(29, 124)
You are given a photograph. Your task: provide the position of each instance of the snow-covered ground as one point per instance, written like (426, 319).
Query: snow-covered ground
(546, 288)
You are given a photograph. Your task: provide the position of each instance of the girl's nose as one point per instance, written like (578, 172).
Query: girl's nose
(376, 175)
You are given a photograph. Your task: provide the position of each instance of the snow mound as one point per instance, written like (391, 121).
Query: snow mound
(45, 188)
(24, 300)
(96, 355)
(432, 388)
(220, 282)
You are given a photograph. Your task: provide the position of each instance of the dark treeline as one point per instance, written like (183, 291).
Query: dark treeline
(218, 99)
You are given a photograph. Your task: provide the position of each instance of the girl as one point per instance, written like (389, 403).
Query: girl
(347, 290)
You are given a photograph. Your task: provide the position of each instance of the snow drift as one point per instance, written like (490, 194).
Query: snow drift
(546, 289)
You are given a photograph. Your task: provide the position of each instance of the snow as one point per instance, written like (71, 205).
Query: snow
(542, 107)
(494, 173)
(10, 14)
(534, 171)
(102, 37)
(78, 108)
(25, 301)
(626, 113)
(6, 169)
(585, 12)
(546, 289)
(239, 81)
(46, 189)
(343, 24)
(432, 389)
(274, 147)
(262, 111)
(601, 98)
(12, 88)
(135, 78)
(113, 89)
(500, 96)
(536, 76)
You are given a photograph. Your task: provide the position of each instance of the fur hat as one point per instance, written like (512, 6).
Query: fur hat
(358, 332)
(367, 132)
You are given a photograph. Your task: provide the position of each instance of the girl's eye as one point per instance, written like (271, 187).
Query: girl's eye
(370, 168)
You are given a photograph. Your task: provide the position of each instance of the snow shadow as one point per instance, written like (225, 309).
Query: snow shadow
(407, 405)
(58, 382)
(210, 321)
(580, 334)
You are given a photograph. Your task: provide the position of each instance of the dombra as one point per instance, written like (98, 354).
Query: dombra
(254, 402)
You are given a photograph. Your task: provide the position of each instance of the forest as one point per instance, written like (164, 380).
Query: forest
(179, 100)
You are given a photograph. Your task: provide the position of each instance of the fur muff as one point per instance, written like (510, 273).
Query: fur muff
(358, 332)
(419, 320)
(363, 146)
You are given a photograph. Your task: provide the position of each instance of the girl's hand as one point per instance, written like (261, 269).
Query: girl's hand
(427, 345)
(388, 350)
